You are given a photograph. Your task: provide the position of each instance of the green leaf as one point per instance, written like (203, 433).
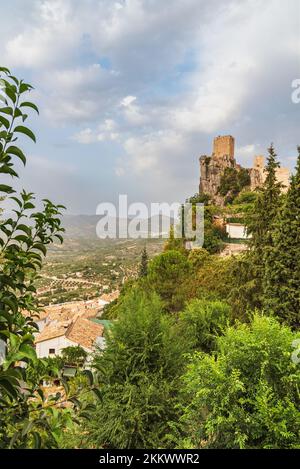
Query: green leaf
(27, 427)
(21, 238)
(66, 386)
(98, 393)
(5, 169)
(24, 228)
(89, 376)
(28, 206)
(40, 247)
(24, 130)
(31, 105)
(14, 79)
(37, 440)
(7, 110)
(17, 201)
(58, 236)
(11, 94)
(28, 351)
(18, 113)
(4, 122)
(25, 87)
(6, 189)
(12, 150)
(11, 302)
(7, 387)
(5, 70)
(3, 134)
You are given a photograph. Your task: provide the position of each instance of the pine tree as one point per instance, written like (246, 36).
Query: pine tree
(173, 243)
(282, 274)
(266, 205)
(144, 264)
(261, 221)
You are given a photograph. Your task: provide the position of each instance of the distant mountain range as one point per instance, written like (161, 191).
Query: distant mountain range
(84, 226)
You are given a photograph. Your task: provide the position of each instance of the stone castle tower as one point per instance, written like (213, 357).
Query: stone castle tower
(223, 156)
(212, 167)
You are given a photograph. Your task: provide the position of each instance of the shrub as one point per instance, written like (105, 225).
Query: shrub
(203, 321)
(248, 395)
(138, 377)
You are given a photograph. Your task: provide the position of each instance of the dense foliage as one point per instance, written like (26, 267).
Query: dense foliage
(139, 377)
(281, 279)
(247, 396)
(28, 418)
(232, 182)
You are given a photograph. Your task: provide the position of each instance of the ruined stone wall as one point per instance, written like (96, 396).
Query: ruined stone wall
(283, 176)
(212, 168)
(258, 176)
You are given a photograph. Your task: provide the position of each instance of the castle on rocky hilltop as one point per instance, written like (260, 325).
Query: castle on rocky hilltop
(212, 169)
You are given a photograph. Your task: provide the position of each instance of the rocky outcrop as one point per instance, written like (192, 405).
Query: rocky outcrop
(212, 168)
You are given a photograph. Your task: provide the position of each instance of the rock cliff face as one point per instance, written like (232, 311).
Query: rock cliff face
(212, 169)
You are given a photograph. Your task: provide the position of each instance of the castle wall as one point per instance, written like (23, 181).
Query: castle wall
(212, 168)
(283, 176)
(258, 176)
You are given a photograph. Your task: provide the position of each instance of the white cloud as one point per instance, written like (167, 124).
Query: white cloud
(150, 151)
(47, 39)
(127, 101)
(85, 136)
(105, 131)
(159, 80)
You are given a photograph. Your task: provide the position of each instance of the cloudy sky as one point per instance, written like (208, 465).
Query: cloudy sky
(132, 92)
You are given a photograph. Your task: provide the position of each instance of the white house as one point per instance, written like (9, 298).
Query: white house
(58, 335)
(236, 231)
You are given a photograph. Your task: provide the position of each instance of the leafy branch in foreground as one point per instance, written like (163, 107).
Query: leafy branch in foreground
(25, 421)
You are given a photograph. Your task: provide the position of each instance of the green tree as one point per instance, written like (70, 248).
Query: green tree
(247, 396)
(74, 355)
(266, 206)
(232, 182)
(173, 243)
(143, 271)
(25, 420)
(138, 376)
(281, 279)
(166, 275)
(203, 321)
(261, 219)
(197, 257)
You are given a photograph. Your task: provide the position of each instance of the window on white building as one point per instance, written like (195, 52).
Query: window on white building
(51, 351)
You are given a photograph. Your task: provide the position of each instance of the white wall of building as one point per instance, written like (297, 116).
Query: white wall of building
(236, 231)
(58, 344)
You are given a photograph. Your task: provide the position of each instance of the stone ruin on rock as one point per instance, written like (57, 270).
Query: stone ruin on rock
(212, 169)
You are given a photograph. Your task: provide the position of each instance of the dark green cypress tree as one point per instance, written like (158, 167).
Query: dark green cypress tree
(282, 273)
(266, 205)
(260, 223)
(144, 264)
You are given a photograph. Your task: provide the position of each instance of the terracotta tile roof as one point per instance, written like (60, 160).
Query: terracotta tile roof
(67, 311)
(84, 332)
(53, 330)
